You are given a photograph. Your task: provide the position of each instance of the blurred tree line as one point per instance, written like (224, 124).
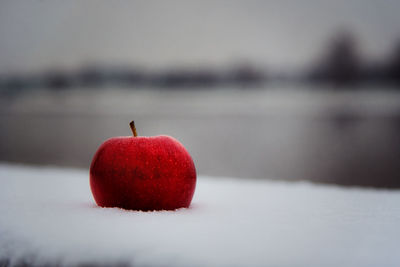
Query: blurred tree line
(341, 65)
(241, 75)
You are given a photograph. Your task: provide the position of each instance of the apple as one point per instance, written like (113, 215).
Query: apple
(142, 173)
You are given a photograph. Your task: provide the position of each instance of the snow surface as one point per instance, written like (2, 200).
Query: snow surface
(48, 216)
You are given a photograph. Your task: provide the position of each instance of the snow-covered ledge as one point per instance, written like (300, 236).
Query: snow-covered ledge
(47, 216)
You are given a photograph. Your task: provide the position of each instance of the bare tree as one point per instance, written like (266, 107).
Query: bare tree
(394, 64)
(340, 64)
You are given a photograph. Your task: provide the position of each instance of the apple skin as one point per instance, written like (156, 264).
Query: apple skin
(143, 173)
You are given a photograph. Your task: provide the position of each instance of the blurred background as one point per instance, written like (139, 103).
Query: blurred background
(292, 90)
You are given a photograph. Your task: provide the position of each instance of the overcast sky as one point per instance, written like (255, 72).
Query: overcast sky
(37, 35)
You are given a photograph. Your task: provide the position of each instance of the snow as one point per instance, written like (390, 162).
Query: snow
(48, 217)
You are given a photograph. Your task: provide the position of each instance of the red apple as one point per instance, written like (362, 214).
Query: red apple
(142, 173)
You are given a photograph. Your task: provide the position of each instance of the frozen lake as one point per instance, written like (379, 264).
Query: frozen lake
(325, 136)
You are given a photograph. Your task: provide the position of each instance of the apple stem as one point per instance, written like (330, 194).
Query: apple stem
(133, 128)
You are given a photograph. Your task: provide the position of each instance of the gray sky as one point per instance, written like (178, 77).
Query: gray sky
(37, 35)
